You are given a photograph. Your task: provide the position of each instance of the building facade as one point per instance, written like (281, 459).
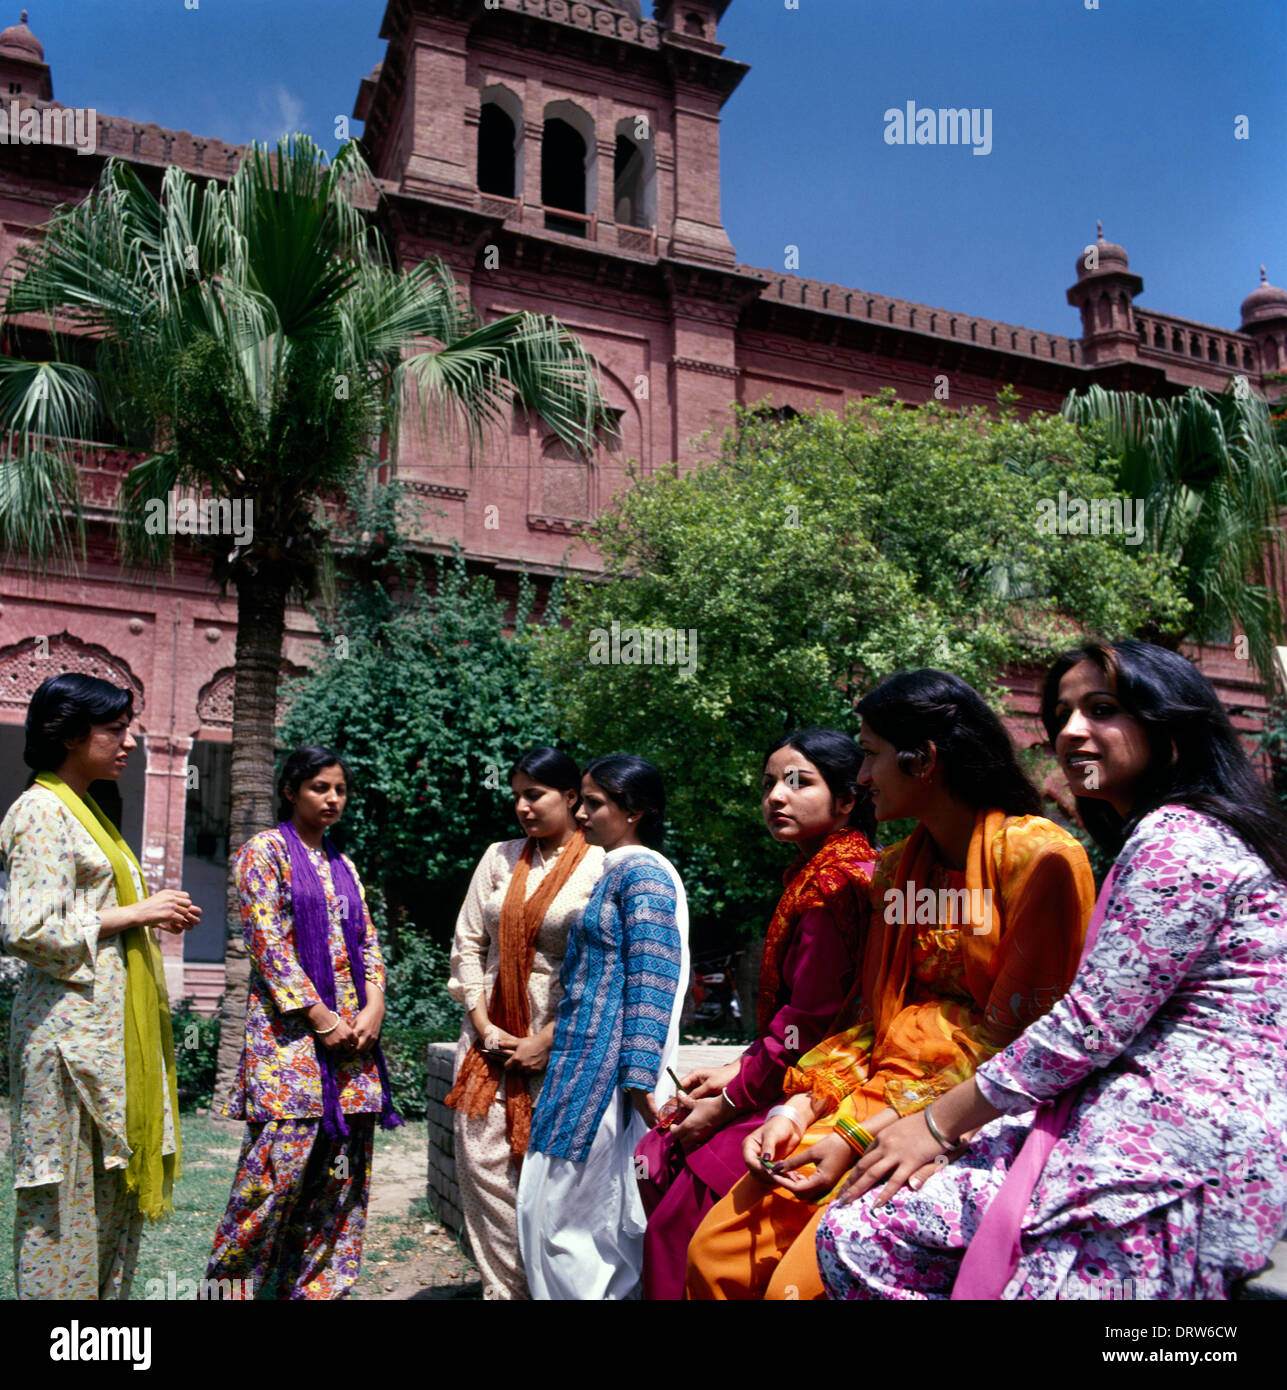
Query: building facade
(561, 157)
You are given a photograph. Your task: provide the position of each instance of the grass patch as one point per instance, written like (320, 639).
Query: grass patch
(181, 1244)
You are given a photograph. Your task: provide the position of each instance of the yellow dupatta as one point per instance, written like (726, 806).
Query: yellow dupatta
(148, 1034)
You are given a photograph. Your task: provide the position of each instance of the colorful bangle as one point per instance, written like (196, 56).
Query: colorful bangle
(790, 1114)
(935, 1131)
(854, 1134)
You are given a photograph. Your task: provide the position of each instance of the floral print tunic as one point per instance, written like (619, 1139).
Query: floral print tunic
(69, 1012)
(278, 1077)
(1170, 1179)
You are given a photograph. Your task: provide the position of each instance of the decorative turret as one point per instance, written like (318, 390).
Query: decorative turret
(1264, 316)
(23, 70)
(1104, 293)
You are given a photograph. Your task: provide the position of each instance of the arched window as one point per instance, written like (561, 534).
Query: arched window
(497, 141)
(634, 182)
(567, 183)
(694, 24)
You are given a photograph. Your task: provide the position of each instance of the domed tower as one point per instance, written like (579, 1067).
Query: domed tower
(23, 70)
(592, 119)
(1264, 317)
(1104, 293)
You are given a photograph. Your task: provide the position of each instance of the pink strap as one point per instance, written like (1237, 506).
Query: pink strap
(993, 1254)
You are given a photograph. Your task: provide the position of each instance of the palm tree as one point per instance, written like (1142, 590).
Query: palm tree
(1213, 480)
(255, 338)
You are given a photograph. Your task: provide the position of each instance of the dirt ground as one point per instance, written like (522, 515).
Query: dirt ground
(407, 1254)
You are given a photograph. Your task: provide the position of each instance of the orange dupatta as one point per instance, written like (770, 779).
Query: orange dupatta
(1016, 962)
(509, 1007)
(835, 877)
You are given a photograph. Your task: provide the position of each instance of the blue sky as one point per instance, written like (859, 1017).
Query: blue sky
(1125, 112)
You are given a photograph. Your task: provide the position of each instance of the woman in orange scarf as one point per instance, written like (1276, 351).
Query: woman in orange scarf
(811, 800)
(511, 937)
(976, 928)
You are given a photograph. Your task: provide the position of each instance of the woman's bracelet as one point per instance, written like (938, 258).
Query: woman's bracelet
(728, 1100)
(790, 1114)
(322, 1032)
(854, 1134)
(935, 1131)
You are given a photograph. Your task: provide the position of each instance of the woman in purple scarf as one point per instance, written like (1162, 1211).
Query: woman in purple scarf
(312, 1078)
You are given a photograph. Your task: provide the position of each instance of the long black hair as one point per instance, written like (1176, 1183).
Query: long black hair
(303, 765)
(838, 758)
(913, 709)
(63, 709)
(1195, 757)
(636, 786)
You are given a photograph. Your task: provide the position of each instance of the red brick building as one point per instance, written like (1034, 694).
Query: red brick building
(561, 157)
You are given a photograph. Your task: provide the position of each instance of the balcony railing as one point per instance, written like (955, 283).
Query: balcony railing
(642, 241)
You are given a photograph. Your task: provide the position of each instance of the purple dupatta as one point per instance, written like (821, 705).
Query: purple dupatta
(313, 945)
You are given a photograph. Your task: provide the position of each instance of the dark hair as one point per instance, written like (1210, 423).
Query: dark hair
(63, 709)
(636, 786)
(915, 708)
(550, 768)
(302, 765)
(838, 758)
(1195, 757)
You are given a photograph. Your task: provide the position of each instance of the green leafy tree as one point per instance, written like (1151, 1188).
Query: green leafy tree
(430, 696)
(255, 341)
(1213, 480)
(809, 560)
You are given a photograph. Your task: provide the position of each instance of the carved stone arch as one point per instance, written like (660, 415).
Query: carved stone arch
(214, 702)
(25, 665)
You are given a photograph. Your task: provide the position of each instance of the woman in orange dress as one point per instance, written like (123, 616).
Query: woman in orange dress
(976, 928)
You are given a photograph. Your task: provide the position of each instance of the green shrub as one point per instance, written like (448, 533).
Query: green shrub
(196, 1048)
(419, 1011)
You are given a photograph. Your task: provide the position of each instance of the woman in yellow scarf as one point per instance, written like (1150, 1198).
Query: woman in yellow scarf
(95, 1106)
(976, 928)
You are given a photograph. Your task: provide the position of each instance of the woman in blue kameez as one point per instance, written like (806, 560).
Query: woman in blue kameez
(580, 1219)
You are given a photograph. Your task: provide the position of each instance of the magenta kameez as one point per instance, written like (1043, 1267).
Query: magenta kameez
(677, 1189)
(1169, 1180)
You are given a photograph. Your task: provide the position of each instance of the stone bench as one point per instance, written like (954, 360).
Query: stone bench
(444, 1196)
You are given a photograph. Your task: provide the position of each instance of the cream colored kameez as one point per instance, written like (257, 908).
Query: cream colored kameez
(485, 1171)
(76, 1233)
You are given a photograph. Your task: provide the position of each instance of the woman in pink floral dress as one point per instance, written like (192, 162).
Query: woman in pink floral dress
(1155, 1164)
